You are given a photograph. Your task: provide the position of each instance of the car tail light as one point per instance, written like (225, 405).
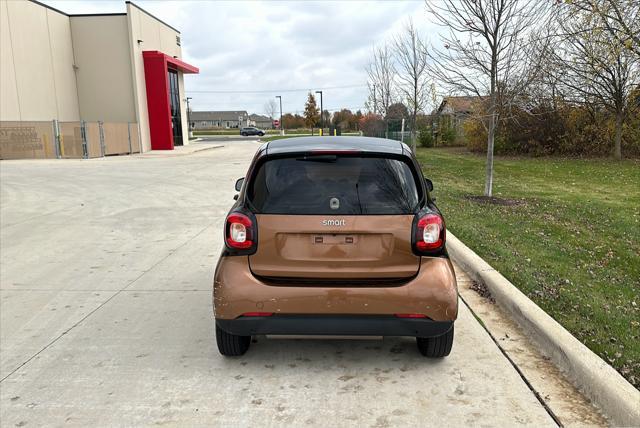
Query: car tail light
(429, 233)
(257, 314)
(240, 232)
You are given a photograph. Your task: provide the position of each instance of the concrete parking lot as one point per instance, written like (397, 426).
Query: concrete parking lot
(106, 318)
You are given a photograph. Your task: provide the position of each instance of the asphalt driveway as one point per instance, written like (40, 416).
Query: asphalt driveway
(105, 303)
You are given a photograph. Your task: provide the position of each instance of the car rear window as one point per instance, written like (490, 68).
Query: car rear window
(332, 185)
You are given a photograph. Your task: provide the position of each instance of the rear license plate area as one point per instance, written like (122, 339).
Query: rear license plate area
(331, 239)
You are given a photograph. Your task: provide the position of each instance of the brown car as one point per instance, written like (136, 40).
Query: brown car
(335, 236)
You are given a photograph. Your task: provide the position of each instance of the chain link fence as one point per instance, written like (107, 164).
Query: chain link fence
(67, 140)
(425, 135)
(392, 129)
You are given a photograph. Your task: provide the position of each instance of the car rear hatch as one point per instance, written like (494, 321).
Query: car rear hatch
(354, 247)
(334, 217)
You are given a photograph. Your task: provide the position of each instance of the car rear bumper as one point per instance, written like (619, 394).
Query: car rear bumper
(432, 292)
(335, 325)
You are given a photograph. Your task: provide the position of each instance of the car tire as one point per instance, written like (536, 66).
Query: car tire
(261, 134)
(243, 134)
(231, 345)
(436, 347)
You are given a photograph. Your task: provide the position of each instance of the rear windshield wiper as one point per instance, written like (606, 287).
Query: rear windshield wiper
(318, 158)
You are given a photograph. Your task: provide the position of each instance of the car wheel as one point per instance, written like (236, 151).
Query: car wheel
(436, 347)
(243, 134)
(231, 345)
(262, 134)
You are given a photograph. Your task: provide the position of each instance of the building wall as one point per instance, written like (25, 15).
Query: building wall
(103, 74)
(155, 36)
(63, 61)
(9, 105)
(54, 66)
(263, 124)
(36, 56)
(203, 124)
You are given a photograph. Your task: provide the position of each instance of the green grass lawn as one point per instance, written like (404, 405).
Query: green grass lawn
(571, 243)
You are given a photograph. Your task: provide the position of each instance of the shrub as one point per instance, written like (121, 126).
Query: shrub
(448, 136)
(372, 125)
(561, 129)
(476, 135)
(425, 138)
(631, 135)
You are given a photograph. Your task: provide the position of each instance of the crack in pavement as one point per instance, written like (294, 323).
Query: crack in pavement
(513, 364)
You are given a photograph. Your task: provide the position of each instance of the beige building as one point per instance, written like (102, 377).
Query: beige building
(229, 119)
(119, 68)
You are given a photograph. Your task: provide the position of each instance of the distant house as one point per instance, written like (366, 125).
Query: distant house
(219, 119)
(452, 114)
(259, 121)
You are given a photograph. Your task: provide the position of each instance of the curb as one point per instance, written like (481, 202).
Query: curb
(206, 148)
(597, 380)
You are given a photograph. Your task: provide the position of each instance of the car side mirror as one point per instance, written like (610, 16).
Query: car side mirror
(239, 184)
(429, 184)
(235, 197)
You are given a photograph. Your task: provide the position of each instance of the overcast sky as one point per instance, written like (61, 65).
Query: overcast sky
(275, 47)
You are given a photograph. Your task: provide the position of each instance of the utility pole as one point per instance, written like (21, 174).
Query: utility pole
(189, 133)
(321, 114)
(281, 128)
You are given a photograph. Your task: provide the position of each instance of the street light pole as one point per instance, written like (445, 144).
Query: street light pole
(281, 128)
(321, 114)
(189, 133)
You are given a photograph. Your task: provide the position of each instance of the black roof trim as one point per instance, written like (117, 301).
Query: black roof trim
(78, 15)
(154, 17)
(49, 7)
(306, 144)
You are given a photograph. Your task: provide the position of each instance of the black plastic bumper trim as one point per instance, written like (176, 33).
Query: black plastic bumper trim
(335, 325)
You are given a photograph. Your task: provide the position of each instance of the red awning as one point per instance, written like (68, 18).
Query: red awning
(172, 62)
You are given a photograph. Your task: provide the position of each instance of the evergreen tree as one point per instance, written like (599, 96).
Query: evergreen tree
(311, 111)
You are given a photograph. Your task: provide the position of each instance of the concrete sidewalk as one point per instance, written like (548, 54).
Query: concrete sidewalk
(193, 147)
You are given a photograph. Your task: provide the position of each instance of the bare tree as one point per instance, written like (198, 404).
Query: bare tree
(381, 73)
(620, 18)
(271, 108)
(545, 90)
(597, 67)
(413, 81)
(484, 54)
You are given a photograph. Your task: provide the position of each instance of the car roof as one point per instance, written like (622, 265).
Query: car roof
(306, 144)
